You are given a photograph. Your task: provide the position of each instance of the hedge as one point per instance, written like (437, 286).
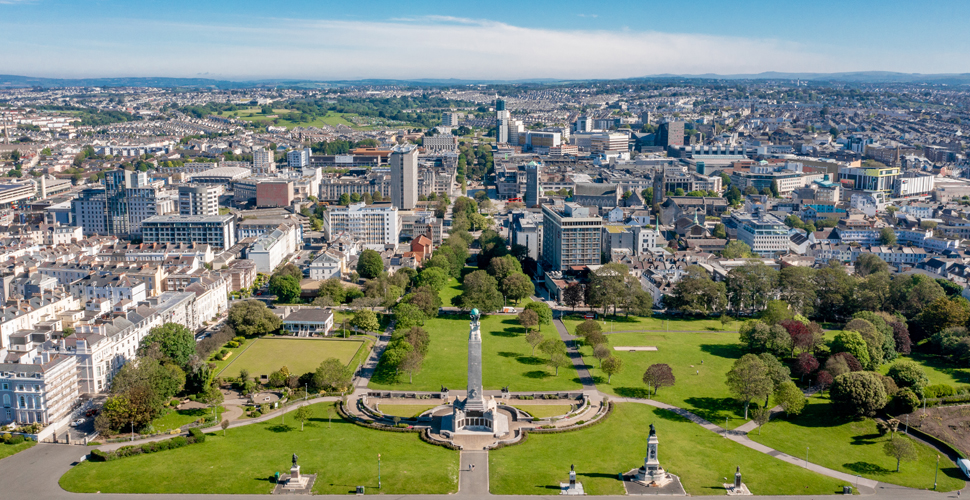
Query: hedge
(150, 447)
(609, 411)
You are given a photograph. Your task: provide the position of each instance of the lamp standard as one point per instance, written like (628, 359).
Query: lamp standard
(378, 471)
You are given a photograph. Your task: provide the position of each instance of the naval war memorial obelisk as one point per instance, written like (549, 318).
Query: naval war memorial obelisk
(475, 414)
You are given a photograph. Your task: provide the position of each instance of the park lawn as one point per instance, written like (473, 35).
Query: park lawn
(937, 369)
(177, 418)
(699, 387)
(702, 459)
(343, 455)
(449, 291)
(854, 447)
(622, 323)
(7, 450)
(544, 411)
(507, 359)
(403, 411)
(300, 356)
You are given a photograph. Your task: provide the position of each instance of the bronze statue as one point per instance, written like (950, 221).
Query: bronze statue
(294, 458)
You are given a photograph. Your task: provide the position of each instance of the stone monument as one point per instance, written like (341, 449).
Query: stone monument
(475, 414)
(572, 487)
(296, 481)
(738, 488)
(652, 474)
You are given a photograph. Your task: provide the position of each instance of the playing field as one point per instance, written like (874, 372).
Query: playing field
(299, 356)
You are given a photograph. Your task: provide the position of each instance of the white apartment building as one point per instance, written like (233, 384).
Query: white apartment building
(264, 161)
(601, 143)
(298, 158)
(377, 224)
(39, 388)
(440, 143)
(198, 200)
(272, 248)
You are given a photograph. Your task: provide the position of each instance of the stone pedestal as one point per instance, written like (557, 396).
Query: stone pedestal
(296, 481)
(572, 487)
(737, 491)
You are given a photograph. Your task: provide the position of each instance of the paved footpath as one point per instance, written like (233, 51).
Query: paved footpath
(574, 355)
(473, 473)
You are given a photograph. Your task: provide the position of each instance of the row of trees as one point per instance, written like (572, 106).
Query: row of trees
(611, 286)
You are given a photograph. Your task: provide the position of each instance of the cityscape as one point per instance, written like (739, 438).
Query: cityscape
(664, 270)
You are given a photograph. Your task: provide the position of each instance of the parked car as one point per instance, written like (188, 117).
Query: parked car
(93, 412)
(77, 422)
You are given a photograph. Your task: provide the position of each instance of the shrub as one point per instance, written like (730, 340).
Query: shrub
(939, 391)
(173, 403)
(905, 401)
(908, 374)
(16, 439)
(858, 393)
(179, 442)
(197, 435)
(232, 344)
(6, 437)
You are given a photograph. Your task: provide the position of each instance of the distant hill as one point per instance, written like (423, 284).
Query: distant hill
(872, 77)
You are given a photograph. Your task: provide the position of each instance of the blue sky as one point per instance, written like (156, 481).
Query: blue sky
(246, 39)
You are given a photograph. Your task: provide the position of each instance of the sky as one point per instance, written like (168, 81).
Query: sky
(496, 40)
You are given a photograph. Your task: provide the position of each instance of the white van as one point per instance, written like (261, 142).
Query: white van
(964, 465)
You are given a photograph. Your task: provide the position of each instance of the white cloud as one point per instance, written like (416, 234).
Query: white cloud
(419, 47)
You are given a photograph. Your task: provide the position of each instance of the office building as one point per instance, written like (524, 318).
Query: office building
(440, 143)
(404, 177)
(526, 229)
(583, 124)
(374, 225)
(274, 194)
(570, 237)
(216, 230)
(198, 200)
(449, 119)
(264, 161)
(766, 234)
(533, 183)
(298, 158)
(870, 179)
(601, 143)
(671, 134)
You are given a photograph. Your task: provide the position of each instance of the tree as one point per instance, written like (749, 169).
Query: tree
(858, 393)
(776, 312)
(587, 327)
(908, 374)
(697, 294)
(559, 360)
(366, 320)
(887, 236)
(251, 318)
(503, 267)
(601, 352)
(900, 449)
(433, 277)
(736, 249)
(658, 375)
(408, 315)
(720, 231)
(412, 363)
(805, 365)
(528, 319)
(823, 379)
(224, 425)
(334, 289)
(751, 286)
(369, 264)
(303, 413)
(174, 341)
(543, 310)
(869, 263)
(852, 343)
(332, 375)
(611, 366)
(534, 338)
(480, 291)
(573, 295)
(790, 398)
(286, 288)
(516, 286)
(761, 416)
(748, 380)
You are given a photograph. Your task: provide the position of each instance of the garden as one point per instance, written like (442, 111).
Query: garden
(266, 355)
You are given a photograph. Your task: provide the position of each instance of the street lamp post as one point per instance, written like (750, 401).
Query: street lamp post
(937, 475)
(806, 456)
(378, 471)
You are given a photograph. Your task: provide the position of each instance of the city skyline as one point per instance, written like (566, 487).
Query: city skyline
(495, 41)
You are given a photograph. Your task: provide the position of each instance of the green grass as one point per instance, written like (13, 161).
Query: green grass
(699, 387)
(545, 411)
(300, 356)
(938, 370)
(701, 458)
(450, 291)
(342, 455)
(405, 411)
(7, 450)
(506, 359)
(177, 418)
(636, 323)
(854, 447)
